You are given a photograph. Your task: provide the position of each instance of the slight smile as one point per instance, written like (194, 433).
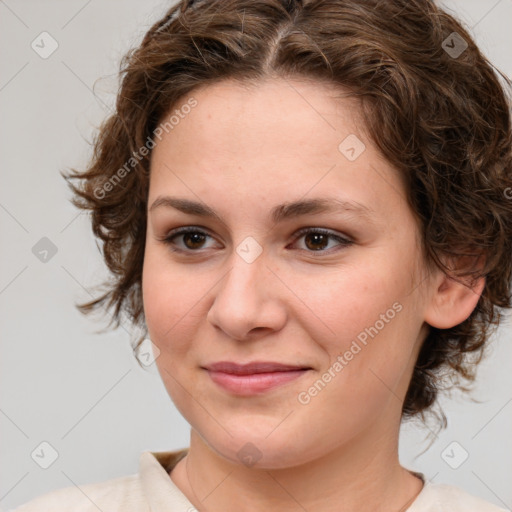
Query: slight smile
(253, 378)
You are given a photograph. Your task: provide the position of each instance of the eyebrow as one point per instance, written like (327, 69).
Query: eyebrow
(278, 214)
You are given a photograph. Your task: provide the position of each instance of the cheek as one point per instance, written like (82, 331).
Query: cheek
(168, 298)
(169, 303)
(362, 382)
(340, 305)
(364, 324)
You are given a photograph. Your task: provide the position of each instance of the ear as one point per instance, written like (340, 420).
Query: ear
(452, 300)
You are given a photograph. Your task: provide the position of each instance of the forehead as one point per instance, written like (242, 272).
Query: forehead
(231, 115)
(279, 137)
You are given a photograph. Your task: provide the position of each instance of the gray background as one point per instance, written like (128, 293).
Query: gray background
(82, 392)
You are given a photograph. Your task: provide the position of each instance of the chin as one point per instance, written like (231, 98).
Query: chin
(259, 451)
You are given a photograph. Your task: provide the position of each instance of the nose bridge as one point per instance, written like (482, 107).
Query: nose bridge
(242, 284)
(244, 299)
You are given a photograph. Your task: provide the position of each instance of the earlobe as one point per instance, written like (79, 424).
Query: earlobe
(453, 301)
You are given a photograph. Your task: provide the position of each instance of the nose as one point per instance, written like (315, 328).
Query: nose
(248, 300)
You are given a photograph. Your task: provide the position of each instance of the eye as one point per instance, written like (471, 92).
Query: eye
(317, 239)
(192, 239)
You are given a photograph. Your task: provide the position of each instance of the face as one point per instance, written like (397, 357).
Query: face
(333, 287)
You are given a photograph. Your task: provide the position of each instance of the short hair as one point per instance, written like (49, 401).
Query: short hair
(432, 103)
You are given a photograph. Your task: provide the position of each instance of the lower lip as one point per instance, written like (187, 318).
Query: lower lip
(254, 383)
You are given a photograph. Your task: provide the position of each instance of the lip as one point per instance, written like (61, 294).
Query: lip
(253, 367)
(253, 378)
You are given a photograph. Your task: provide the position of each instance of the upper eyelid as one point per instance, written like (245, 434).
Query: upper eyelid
(342, 237)
(185, 229)
(324, 231)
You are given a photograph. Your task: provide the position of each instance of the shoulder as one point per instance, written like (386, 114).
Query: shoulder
(441, 498)
(149, 489)
(122, 493)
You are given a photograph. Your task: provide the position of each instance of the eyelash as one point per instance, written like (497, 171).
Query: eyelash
(169, 239)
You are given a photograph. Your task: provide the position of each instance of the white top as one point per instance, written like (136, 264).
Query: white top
(152, 490)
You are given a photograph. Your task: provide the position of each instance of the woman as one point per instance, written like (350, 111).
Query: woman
(305, 206)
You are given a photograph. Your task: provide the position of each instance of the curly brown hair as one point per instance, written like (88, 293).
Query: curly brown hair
(432, 103)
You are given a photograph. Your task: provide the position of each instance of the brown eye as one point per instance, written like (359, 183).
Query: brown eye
(193, 239)
(316, 241)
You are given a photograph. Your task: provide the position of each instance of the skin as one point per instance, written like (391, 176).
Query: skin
(243, 150)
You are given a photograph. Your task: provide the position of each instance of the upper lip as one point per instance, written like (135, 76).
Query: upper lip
(254, 367)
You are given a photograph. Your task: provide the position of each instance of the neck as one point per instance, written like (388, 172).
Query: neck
(363, 475)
